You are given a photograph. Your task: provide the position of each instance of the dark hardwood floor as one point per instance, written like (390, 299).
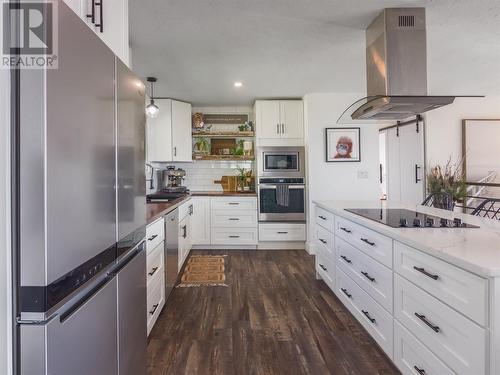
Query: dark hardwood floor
(273, 318)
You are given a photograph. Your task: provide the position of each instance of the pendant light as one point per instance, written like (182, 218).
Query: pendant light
(152, 109)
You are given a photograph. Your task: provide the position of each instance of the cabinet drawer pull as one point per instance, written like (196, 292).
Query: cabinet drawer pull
(422, 270)
(153, 270)
(421, 371)
(233, 203)
(429, 324)
(367, 314)
(366, 274)
(282, 232)
(346, 292)
(100, 25)
(346, 259)
(323, 267)
(322, 240)
(154, 309)
(234, 236)
(346, 230)
(368, 242)
(322, 217)
(184, 231)
(277, 128)
(234, 219)
(152, 237)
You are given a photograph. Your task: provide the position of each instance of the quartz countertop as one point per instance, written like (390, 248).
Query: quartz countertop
(474, 249)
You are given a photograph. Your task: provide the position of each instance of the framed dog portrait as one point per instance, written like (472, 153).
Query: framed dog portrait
(342, 144)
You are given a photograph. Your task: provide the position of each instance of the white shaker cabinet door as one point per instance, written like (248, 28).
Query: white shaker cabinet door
(292, 119)
(159, 132)
(181, 131)
(268, 119)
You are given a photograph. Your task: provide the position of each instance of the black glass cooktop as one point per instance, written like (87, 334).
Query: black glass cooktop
(401, 218)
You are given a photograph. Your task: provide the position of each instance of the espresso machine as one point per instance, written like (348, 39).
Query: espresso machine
(172, 180)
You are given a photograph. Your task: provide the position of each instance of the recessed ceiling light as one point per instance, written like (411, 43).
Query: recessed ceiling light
(238, 84)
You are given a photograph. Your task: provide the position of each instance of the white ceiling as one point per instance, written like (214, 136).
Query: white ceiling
(287, 48)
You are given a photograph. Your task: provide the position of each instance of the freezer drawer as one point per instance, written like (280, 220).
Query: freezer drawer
(132, 337)
(80, 341)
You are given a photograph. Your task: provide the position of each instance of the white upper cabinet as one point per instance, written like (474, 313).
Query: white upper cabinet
(169, 135)
(181, 131)
(292, 118)
(280, 121)
(109, 20)
(268, 119)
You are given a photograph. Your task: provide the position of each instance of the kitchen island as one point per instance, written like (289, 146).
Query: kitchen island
(428, 295)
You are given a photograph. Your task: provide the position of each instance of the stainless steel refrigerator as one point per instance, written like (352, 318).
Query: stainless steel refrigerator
(79, 211)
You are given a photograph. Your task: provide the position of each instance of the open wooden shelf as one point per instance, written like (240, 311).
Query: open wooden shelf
(223, 134)
(223, 157)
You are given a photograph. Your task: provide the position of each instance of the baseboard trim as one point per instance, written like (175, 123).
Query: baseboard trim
(281, 245)
(224, 247)
(311, 248)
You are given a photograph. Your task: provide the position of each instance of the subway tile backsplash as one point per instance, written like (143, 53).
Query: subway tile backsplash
(201, 174)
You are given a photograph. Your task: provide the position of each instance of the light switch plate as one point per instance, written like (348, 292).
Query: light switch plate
(362, 175)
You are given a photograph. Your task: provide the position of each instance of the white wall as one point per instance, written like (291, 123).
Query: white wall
(5, 283)
(444, 126)
(337, 181)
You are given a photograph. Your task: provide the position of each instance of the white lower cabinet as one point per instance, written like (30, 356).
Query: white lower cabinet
(233, 221)
(282, 232)
(412, 357)
(456, 340)
(429, 316)
(155, 300)
(184, 240)
(376, 320)
(200, 221)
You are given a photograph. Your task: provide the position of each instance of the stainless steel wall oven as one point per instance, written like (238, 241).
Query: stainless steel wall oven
(281, 199)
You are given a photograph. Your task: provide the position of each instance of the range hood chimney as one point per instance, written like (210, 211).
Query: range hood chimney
(396, 67)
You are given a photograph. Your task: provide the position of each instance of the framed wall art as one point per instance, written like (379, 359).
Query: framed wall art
(343, 144)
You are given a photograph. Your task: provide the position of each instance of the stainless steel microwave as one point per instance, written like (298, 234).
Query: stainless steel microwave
(281, 161)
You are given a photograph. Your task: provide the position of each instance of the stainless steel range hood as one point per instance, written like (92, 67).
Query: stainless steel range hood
(396, 68)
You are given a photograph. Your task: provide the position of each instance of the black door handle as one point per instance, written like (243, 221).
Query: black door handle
(380, 173)
(92, 13)
(322, 217)
(100, 25)
(368, 242)
(365, 274)
(421, 371)
(323, 241)
(429, 324)
(184, 229)
(346, 292)
(323, 267)
(152, 237)
(367, 314)
(422, 270)
(346, 259)
(153, 270)
(345, 230)
(154, 309)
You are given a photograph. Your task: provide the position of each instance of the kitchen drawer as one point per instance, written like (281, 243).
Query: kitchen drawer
(234, 236)
(325, 239)
(412, 357)
(324, 218)
(234, 218)
(154, 264)
(462, 290)
(234, 203)
(185, 209)
(373, 277)
(155, 233)
(282, 232)
(376, 320)
(155, 302)
(326, 270)
(457, 341)
(376, 245)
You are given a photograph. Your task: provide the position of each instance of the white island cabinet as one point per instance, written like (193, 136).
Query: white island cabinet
(430, 297)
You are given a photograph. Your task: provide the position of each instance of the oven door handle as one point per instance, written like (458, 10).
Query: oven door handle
(296, 187)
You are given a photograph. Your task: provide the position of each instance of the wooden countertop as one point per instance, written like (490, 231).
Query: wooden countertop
(155, 210)
(223, 193)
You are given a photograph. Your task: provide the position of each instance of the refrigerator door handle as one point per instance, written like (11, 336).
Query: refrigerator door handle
(74, 308)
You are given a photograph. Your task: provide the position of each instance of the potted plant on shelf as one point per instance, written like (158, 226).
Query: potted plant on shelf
(244, 179)
(447, 180)
(203, 146)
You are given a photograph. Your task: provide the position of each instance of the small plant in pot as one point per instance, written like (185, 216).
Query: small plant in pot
(203, 146)
(447, 181)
